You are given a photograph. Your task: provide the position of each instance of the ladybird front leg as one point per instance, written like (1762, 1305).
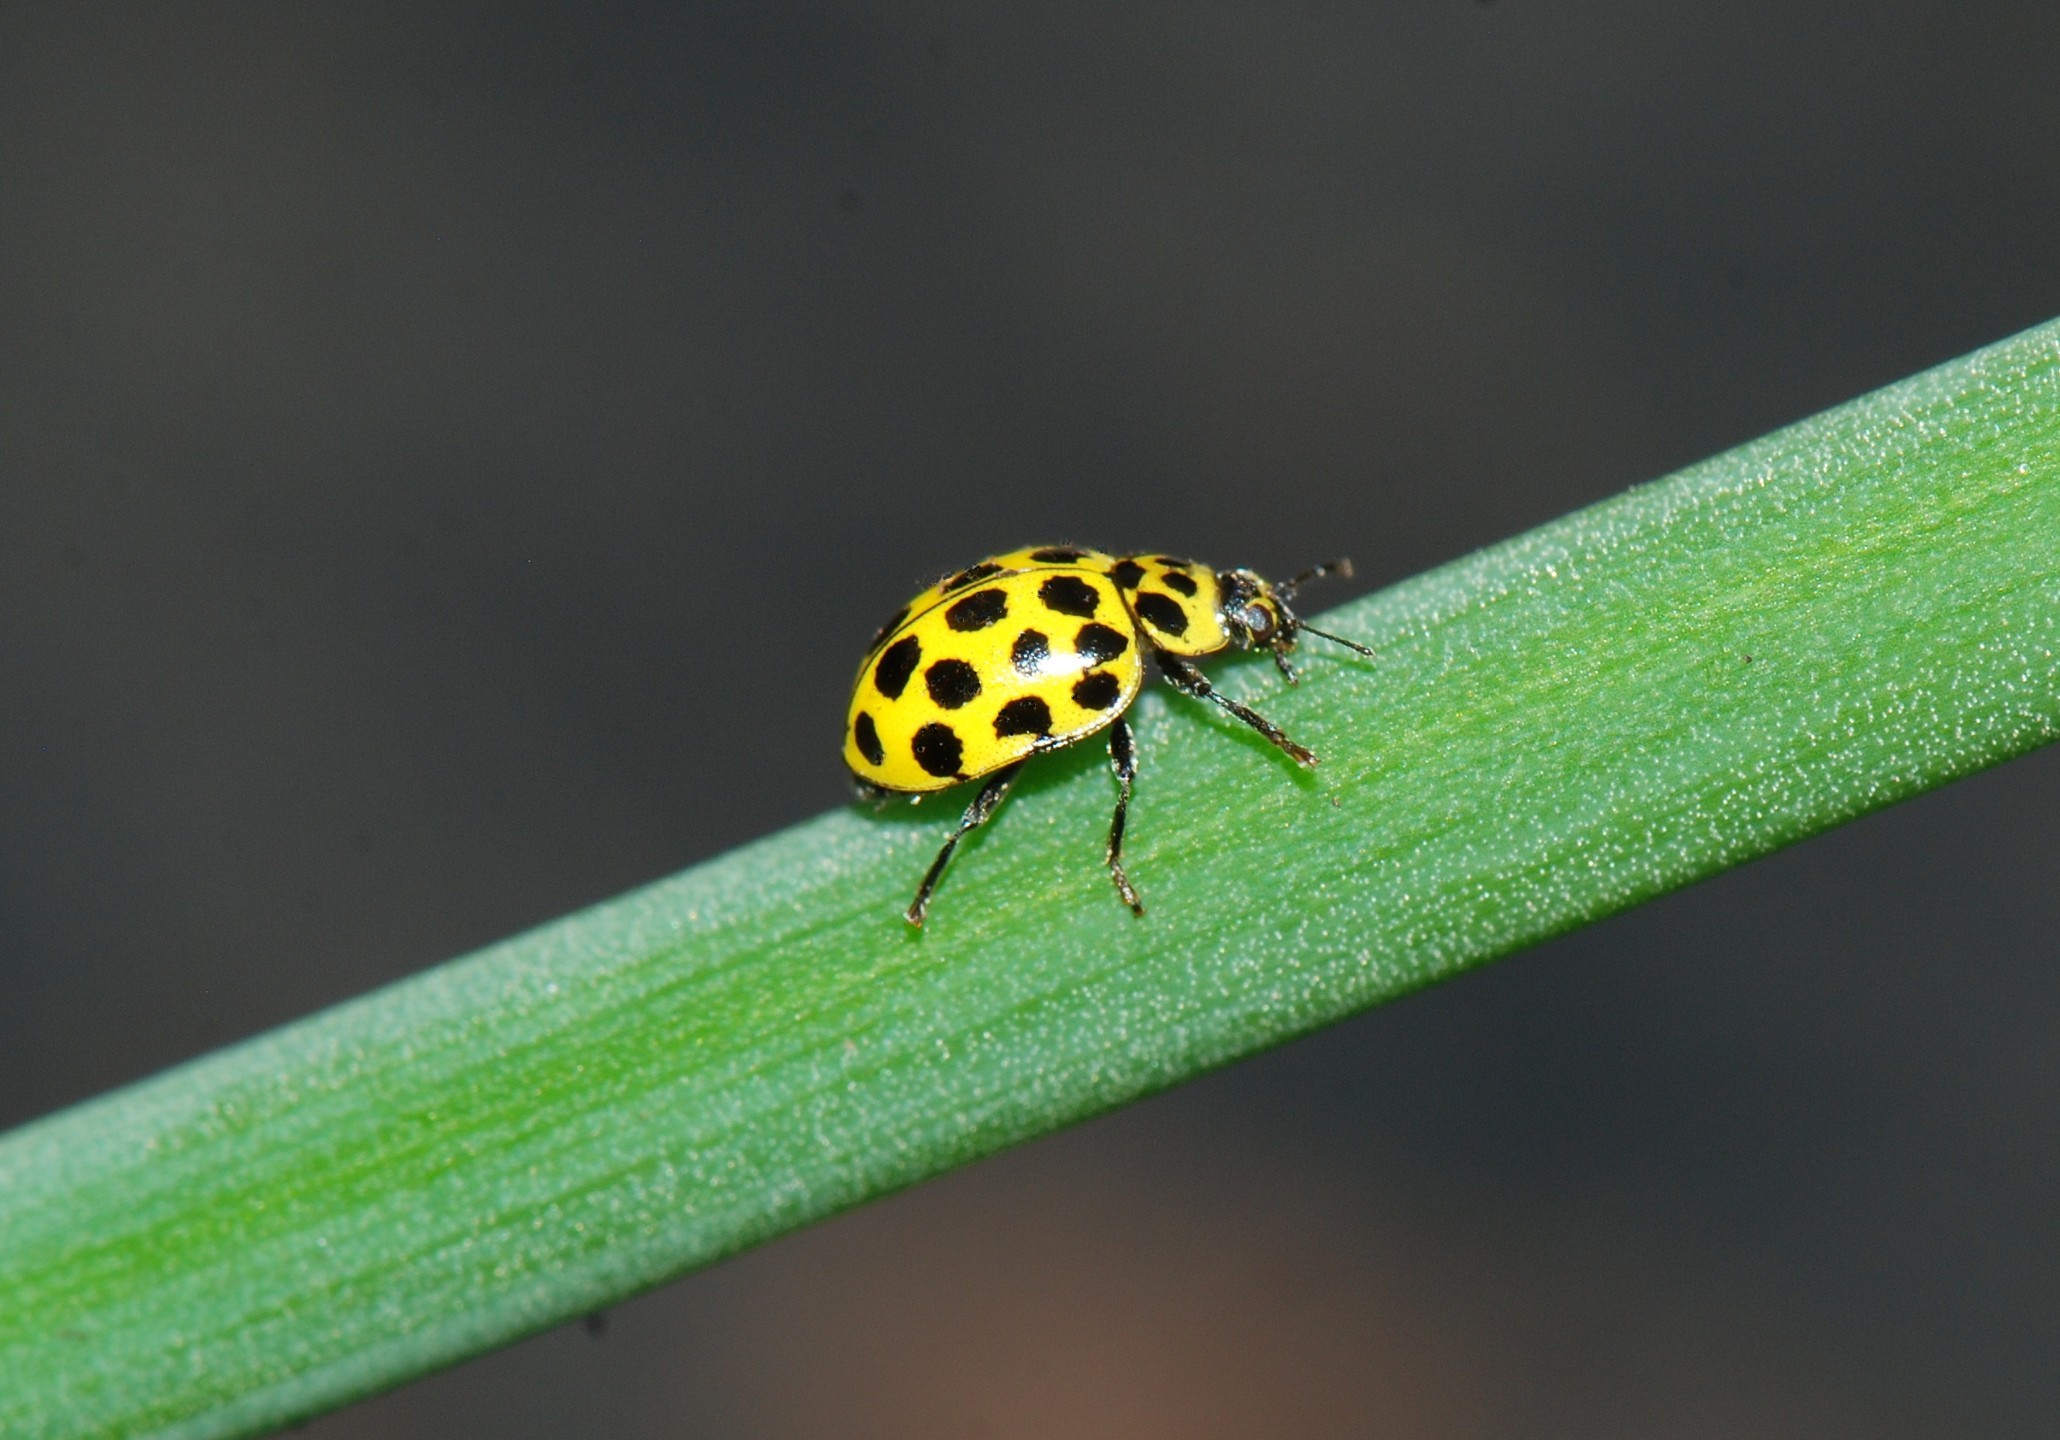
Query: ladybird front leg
(977, 814)
(1123, 757)
(1287, 670)
(1190, 681)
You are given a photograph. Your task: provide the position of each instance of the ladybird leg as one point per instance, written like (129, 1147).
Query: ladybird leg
(1190, 681)
(1287, 670)
(1122, 756)
(977, 814)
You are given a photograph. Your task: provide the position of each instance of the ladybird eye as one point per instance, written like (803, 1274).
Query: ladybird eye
(1258, 619)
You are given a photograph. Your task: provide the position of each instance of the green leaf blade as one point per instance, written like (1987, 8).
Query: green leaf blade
(1838, 616)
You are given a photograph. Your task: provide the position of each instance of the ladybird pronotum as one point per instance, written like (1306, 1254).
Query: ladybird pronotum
(1036, 649)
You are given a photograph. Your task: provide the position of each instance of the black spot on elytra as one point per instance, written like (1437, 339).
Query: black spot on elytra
(1161, 612)
(1176, 580)
(1098, 644)
(937, 749)
(1127, 573)
(1026, 716)
(1069, 595)
(896, 665)
(888, 629)
(977, 611)
(1097, 691)
(1056, 555)
(952, 683)
(1030, 652)
(971, 577)
(1171, 563)
(868, 737)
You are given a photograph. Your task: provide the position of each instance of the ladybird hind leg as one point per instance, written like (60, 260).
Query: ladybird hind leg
(1123, 758)
(977, 814)
(868, 793)
(1190, 681)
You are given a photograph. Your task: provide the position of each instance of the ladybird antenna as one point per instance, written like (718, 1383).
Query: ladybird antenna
(1340, 566)
(1335, 639)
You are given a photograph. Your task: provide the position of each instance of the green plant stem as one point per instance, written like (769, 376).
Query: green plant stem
(1815, 625)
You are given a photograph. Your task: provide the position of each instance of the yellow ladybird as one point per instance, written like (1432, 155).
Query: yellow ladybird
(1038, 648)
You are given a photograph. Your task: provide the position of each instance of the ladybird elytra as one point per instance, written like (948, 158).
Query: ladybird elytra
(1040, 648)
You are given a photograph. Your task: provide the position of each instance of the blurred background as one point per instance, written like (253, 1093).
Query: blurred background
(452, 455)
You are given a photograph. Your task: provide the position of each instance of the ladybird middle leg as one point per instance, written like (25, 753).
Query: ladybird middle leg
(1123, 757)
(977, 814)
(1190, 681)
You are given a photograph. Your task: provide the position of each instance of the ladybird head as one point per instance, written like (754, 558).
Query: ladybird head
(1256, 614)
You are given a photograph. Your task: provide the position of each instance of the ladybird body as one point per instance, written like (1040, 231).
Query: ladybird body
(1042, 647)
(991, 666)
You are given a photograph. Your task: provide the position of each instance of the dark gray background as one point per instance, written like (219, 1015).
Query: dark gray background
(450, 457)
